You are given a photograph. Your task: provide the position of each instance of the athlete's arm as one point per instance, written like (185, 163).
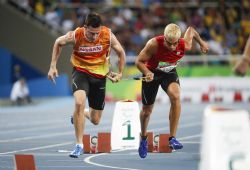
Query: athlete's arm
(191, 34)
(68, 38)
(147, 52)
(116, 46)
(242, 65)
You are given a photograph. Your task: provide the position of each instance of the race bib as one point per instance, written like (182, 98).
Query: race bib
(166, 67)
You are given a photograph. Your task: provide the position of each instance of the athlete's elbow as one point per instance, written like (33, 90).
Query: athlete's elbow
(190, 28)
(137, 62)
(188, 47)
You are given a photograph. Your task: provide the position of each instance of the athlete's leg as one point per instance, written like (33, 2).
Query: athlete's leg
(144, 118)
(173, 92)
(87, 113)
(149, 92)
(96, 99)
(95, 115)
(79, 121)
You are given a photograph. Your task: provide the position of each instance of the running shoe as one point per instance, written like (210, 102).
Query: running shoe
(76, 152)
(175, 144)
(143, 149)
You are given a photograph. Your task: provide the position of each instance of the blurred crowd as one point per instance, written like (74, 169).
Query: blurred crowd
(224, 24)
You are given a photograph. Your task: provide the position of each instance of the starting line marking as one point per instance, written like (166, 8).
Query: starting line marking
(88, 160)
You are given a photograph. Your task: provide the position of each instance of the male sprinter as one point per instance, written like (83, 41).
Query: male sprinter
(157, 61)
(90, 60)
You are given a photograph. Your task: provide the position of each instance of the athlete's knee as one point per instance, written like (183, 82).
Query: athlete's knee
(95, 121)
(79, 105)
(174, 97)
(95, 117)
(146, 110)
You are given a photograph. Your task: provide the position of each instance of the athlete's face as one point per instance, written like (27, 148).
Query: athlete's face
(92, 33)
(171, 43)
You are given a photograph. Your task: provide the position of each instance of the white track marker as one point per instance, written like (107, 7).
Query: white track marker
(88, 160)
(63, 151)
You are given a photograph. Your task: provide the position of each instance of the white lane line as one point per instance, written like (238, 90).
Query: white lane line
(191, 142)
(31, 129)
(36, 137)
(70, 133)
(187, 125)
(190, 137)
(88, 160)
(63, 167)
(50, 135)
(37, 148)
(30, 123)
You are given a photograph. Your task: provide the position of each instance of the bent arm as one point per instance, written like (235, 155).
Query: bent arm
(191, 34)
(147, 52)
(246, 53)
(59, 43)
(115, 44)
(242, 65)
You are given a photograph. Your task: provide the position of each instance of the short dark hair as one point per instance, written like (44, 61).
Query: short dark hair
(93, 19)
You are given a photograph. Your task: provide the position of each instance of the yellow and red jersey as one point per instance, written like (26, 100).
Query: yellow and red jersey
(92, 57)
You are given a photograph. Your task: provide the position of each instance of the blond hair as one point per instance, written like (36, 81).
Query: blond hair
(172, 31)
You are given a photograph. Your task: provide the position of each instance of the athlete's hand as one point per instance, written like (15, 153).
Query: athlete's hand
(204, 47)
(149, 77)
(114, 77)
(241, 67)
(52, 74)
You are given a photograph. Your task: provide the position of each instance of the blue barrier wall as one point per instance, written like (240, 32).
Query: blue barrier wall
(42, 87)
(7, 63)
(26, 71)
(5, 67)
(38, 83)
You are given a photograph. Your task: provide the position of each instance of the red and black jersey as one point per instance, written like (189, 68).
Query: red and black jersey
(165, 55)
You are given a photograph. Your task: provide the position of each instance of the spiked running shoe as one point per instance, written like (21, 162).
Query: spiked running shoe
(175, 144)
(143, 149)
(76, 152)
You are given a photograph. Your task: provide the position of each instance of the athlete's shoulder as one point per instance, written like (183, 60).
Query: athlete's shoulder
(105, 29)
(159, 39)
(152, 43)
(79, 29)
(182, 42)
(78, 32)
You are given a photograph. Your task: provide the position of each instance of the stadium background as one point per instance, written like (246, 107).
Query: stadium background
(30, 27)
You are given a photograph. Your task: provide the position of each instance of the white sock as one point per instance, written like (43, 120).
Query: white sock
(80, 144)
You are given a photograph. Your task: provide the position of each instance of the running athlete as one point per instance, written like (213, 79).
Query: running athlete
(242, 65)
(157, 62)
(90, 60)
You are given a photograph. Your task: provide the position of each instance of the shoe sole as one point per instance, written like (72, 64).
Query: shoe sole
(142, 156)
(170, 146)
(73, 156)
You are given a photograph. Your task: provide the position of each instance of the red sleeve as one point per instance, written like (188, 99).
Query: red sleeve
(182, 44)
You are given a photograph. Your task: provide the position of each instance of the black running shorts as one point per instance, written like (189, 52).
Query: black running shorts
(95, 88)
(150, 89)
